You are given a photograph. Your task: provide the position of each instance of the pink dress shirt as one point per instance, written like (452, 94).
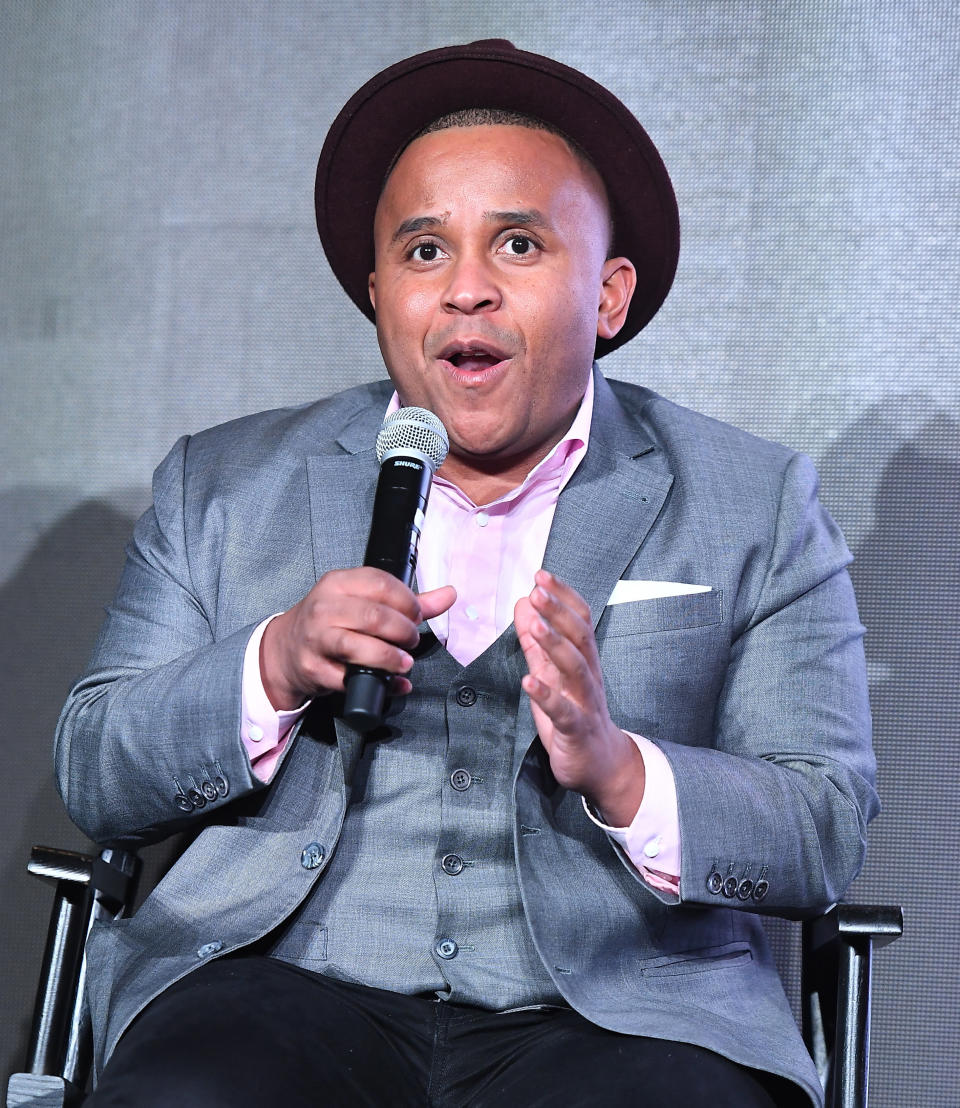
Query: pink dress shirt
(489, 554)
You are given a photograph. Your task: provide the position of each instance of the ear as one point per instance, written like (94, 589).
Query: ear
(371, 282)
(618, 281)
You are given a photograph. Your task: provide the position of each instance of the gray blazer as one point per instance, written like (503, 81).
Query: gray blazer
(754, 690)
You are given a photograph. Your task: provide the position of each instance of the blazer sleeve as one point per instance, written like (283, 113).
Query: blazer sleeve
(780, 802)
(149, 737)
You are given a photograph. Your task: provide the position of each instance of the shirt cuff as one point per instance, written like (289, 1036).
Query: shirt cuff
(652, 840)
(263, 730)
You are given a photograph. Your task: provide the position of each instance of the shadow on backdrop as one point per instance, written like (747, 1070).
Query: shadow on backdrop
(907, 578)
(50, 611)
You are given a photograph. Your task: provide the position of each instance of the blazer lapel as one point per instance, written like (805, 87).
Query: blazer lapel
(602, 516)
(342, 487)
(609, 505)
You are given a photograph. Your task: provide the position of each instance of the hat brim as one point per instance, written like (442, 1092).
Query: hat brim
(399, 102)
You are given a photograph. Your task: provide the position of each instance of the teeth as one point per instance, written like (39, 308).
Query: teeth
(475, 356)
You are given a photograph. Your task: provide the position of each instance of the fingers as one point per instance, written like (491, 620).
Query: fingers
(561, 625)
(360, 617)
(564, 714)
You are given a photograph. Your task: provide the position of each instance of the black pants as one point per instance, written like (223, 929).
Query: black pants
(252, 1031)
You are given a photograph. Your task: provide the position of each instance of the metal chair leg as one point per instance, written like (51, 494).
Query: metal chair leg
(86, 888)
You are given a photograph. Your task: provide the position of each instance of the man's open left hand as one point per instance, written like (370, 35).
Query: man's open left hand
(588, 752)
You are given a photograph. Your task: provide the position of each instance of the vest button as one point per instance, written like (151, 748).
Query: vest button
(466, 696)
(452, 864)
(311, 856)
(447, 949)
(461, 780)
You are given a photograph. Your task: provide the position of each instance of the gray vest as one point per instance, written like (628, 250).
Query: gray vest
(421, 895)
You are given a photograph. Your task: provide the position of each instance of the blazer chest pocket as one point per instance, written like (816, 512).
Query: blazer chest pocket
(713, 958)
(662, 613)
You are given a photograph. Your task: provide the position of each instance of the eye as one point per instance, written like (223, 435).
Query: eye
(519, 245)
(425, 252)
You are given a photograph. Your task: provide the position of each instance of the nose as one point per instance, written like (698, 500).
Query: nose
(472, 288)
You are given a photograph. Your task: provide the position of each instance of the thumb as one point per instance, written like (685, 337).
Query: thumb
(522, 613)
(437, 601)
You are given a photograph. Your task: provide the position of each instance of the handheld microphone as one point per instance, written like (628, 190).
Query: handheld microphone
(411, 446)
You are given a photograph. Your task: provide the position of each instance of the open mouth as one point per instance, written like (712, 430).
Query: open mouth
(473, 357)
(474, 362)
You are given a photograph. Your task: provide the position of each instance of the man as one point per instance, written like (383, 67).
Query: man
(539, 881)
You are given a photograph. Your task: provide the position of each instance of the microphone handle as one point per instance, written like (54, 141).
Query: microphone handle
(398, 507)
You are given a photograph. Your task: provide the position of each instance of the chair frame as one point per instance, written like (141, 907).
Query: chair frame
(837, 951)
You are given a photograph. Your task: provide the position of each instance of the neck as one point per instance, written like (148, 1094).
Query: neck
(484, 485)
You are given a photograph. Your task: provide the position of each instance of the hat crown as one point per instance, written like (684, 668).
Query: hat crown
(493, 44)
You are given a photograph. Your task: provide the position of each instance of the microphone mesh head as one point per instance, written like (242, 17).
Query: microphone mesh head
(415, 430)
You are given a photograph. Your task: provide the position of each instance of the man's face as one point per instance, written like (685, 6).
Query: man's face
(491, 285)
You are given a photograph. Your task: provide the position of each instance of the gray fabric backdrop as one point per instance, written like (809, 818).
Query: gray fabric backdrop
(160, 273)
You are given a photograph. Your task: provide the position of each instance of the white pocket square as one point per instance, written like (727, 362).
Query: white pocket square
(626, 591)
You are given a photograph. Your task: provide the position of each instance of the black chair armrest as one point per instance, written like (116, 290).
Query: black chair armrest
(837, 954)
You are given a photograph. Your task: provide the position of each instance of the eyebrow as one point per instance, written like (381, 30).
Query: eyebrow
(526, 217)
(418, 223)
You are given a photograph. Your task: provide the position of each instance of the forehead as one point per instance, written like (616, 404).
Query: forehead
(486, 160)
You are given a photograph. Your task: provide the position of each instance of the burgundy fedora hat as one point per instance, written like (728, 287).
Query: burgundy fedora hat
(395, 105)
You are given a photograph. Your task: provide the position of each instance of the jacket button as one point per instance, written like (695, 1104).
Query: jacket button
(199, 800)
(730, 887)
(184, 803)
(209, 790)
(744, 889)
(714, 882)
(760, 890)
(210, 948)
(311, 856)
(446, 948)
(461, 780)
(221, 784)
(452, 864)
(466, 696)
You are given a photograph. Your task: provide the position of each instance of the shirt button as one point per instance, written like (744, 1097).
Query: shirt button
(255, 734)
(311, 856)
(466, 696)
(447, 948)
(452, 864)
(461, 780)
(482, 519)
(652, 848)
(472, 612)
